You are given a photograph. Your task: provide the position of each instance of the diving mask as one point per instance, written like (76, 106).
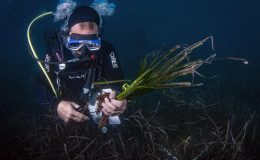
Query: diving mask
(76, 41)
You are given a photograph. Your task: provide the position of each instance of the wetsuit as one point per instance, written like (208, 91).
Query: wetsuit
(102, 65)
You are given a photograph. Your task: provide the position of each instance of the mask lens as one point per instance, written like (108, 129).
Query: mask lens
(94, 45)
(75, 46)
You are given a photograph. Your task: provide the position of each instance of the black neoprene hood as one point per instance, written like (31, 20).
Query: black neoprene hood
(83, 14)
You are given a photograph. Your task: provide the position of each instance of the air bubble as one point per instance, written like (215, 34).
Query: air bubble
(64, 9)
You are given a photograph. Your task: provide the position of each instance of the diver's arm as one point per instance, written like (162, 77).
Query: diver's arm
(64, 109)
(50, 69)
(112, 71)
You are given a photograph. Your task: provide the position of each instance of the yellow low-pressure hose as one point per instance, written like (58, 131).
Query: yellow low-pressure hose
(34, 52)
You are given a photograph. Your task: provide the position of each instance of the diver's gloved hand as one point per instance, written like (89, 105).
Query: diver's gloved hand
(112, 106)
(68, 112)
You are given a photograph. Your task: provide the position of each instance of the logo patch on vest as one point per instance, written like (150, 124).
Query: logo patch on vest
(113, 60)
(77, 76)
(47, 60)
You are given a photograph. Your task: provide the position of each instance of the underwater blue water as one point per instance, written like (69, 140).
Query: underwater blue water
(139, 27)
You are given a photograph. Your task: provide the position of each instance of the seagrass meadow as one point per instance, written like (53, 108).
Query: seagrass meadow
(204, 108)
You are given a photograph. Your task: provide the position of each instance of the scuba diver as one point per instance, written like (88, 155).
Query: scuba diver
(74, 61)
